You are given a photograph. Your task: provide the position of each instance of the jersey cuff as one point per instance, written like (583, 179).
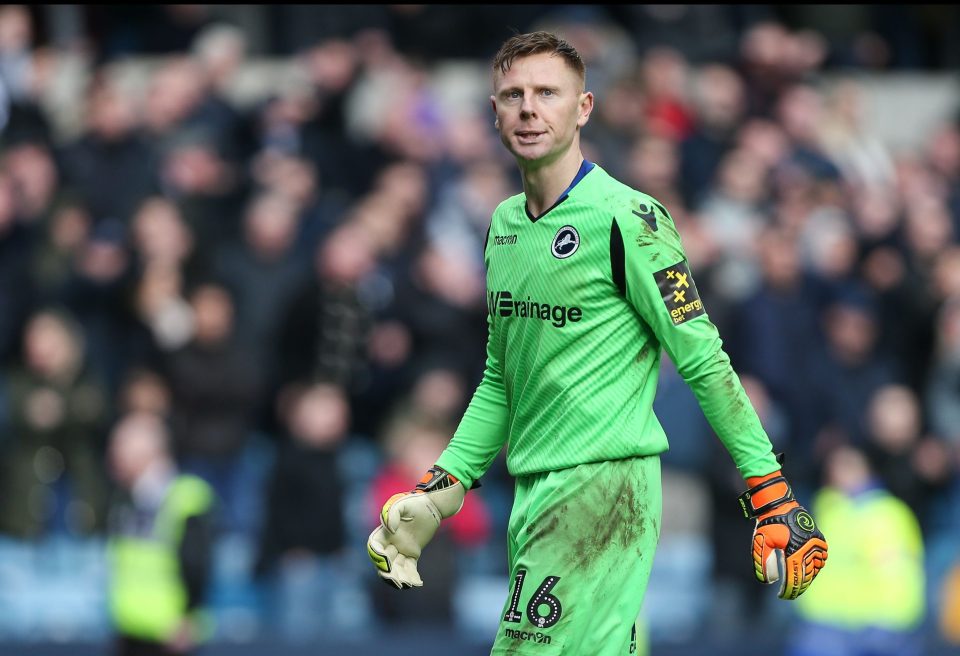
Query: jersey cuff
(453, 465)
(759, 466)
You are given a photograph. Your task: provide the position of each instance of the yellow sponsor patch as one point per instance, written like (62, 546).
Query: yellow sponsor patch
(679, 292)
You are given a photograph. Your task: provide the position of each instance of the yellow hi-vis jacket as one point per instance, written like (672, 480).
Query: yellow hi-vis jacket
(147, 597)
(875, 576)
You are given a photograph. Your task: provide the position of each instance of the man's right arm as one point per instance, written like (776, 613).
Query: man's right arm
(409, 520)
(483, 429)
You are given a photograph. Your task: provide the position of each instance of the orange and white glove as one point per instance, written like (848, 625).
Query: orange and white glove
(787, 545)
(407, 523)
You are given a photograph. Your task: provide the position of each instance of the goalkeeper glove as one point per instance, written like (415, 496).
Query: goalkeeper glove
(407, 523)
(787, 546)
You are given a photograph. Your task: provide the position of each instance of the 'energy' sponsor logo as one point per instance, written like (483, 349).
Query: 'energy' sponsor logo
(679, 293)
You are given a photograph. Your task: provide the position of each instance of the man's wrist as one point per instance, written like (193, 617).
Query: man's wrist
(765, 494)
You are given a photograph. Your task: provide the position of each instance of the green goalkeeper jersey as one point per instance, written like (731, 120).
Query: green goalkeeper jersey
(580, 301)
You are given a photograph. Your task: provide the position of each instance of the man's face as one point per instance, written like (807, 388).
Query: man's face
(540, 107)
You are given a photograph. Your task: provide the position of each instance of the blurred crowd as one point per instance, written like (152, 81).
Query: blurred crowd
(296, 285)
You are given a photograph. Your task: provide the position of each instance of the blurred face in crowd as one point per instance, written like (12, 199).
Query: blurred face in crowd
(413, 446)
(780, 259)
(440, 393)
(70, 228)
(877, 211)
(270, 225)
(346, 256)
(851, 332)
(743, 177)
(146, 391)
(16, 31)
(35, 176)
(407, 187)
(800, 110)
(540, 106)
(623, 107)
(894, 418)
(195, 169)
(175, 90)
(929, 227)
(160, 234)
(765, 140)
(112, 114)
(221, 50)
(720, 97)
(51, 348)
(847, 469)
(103, 258)
(452, 279)
(332, 65)
(943, 151)
(136, 443)
(213, 313)
(946, 274)
(653, 163)
(320, 417)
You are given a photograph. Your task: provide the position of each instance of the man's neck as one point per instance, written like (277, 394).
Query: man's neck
(543, 185)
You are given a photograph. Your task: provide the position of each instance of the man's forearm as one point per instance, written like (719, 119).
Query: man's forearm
(481, 434)
(726, 406)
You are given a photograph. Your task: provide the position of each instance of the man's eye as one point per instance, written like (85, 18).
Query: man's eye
(548, 92)
(514, 94)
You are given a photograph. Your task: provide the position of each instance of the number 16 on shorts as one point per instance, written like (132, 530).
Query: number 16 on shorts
(541, 601)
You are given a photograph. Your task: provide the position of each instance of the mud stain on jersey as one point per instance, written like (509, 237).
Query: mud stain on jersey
(644, 352)
(732, 387)
(644, 239)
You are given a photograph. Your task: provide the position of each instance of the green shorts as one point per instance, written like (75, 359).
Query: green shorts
(580, 545)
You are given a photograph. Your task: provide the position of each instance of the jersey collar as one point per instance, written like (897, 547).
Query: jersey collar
(585, 167)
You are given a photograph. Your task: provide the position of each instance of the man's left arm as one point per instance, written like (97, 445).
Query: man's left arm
(659, 284)
(195, 556)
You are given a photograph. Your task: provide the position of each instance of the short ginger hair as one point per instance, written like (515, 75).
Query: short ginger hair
(535, 43)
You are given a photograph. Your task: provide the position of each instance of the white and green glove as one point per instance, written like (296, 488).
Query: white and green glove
(407, 523)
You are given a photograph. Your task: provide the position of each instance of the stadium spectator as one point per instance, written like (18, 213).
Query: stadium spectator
(300, 552)
(161, 544)
(55, 408)
(855, 614)
(213, 386)
(112, 166)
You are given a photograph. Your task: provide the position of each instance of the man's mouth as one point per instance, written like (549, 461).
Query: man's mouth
(528, 135)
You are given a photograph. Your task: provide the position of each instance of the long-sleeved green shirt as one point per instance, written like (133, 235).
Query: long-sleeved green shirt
(580, 301)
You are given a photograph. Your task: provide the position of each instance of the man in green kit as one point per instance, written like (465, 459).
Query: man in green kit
(586, 281)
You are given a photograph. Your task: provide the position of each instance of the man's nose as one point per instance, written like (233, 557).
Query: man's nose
(528, 107)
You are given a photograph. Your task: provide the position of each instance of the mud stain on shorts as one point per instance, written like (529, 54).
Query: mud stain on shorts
(616, 520)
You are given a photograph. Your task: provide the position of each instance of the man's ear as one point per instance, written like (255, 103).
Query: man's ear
(586, 107)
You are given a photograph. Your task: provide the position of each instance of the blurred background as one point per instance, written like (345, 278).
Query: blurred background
(264, 225)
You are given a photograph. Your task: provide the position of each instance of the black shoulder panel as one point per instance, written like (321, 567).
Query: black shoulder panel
(616, 258)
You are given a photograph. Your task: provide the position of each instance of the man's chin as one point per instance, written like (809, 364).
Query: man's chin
(530, 154)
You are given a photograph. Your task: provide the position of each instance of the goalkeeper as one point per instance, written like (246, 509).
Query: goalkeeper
(586, 282)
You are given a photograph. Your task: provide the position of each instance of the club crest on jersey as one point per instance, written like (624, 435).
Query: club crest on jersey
(566, 242)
